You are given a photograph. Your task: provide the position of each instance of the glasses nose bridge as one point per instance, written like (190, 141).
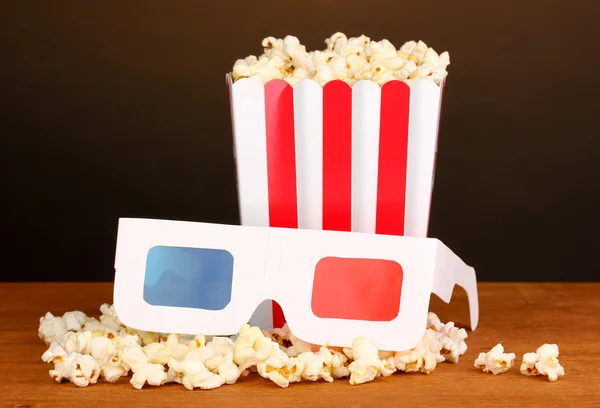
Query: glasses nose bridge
(275, 253)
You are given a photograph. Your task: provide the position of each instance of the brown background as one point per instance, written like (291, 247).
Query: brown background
(113, 109)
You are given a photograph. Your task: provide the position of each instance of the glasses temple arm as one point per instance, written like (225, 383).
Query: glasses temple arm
(450, 270)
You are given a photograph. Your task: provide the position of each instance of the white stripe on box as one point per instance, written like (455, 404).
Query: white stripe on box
(250, 150)
(249, 129)
(422, 140)
(308, 121)
(366, 108)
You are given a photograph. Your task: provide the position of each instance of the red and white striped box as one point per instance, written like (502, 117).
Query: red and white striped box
(335, 157)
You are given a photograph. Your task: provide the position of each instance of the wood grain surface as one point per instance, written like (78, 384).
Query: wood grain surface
(520, 316)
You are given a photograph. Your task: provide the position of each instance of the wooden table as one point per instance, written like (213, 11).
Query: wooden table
(520, 316)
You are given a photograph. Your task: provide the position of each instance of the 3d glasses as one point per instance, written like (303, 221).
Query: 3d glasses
(333, 286)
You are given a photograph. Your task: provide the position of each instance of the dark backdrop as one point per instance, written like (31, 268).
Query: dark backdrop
(118, 109)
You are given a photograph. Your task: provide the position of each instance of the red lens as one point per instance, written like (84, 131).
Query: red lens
(357, 289)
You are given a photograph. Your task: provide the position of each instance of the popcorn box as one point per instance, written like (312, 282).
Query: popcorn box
(355, 158)
(334, 186)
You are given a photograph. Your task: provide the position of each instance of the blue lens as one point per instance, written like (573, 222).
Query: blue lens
(197, 278)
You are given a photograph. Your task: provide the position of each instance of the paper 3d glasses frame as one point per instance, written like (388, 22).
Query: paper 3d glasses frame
(190, 278)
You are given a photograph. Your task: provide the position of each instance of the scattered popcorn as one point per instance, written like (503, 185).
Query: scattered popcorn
(81, 370)
(281, 336)
(51, 327)
(222, 345)
(84, 370)
(123, 339)
(203, 379)
(54, 351)
(95, 327)
(146, 337)
(102, 349)
(153, 374)
(133, 357)
(109, 318)
(543, 362)
(113, 369)
(228, 370)
(423, 357)
(161, 353)
(528, 364)
(453, 342)
(495, 361)
(75, 320)
(366, 365)
(348, 59)
(83, 348)
(244, 351)
(314, 366)
(78, 342)
(433, 322)
(282, 372)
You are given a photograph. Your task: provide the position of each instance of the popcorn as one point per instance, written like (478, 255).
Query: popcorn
(81, 370)
(281, 336)
(332, 41)
(62, 367)
(228, 370)
(161, 353)
(198, 342)
(543, 362)
(133, 357)
(153, 374)
(201, 354)
(123, 339)
(388, 366)
(75, 320)
(222, 345)
(453, 341)
(528, 364)
(408, 47)
(113, 369)
(423, 357)
(203, 379)
(84, 370)
(378, 51)
(282, 372)
(108, 349)
(366, 365)
(78, 342)
(102, 349)
(495, 361)
(95, 327)
(145, 337)
(339, 365)
(109, 318)
(336, 364)
(53, 352)
(51, 327)
(314, 364)
(192, 373)
(433, 322)
(187, 366)
(347, 59)
(244, 351)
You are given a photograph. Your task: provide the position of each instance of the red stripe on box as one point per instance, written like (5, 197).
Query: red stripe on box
(281, 163)
(337, 156)
(281, 154)
(393, 158)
